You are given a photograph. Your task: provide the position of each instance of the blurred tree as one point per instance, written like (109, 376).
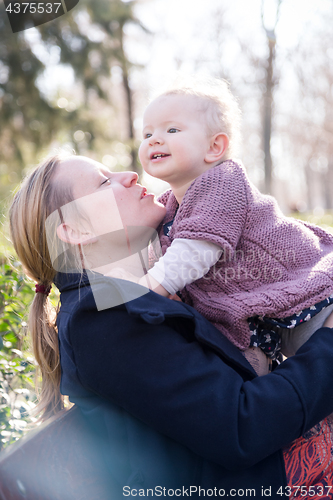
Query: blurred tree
(253, 79)
(95, 113)
(27, 119)
(308, 133)
(268, 91)
(92, 42)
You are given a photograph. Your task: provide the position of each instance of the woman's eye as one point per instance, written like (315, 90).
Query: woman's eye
(173, 130)
(106, 180)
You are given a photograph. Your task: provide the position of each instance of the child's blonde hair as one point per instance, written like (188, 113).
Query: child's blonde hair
(218, 103)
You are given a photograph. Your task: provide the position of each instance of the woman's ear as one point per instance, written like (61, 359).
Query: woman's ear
(217, 148)
(75, 236)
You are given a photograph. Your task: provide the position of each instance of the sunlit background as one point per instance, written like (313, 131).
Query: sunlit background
(106, 56)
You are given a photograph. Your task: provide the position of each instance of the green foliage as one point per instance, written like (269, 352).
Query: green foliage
(90, 41)
(17, 366)
(27, 120)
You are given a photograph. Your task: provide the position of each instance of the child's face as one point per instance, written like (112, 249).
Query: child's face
(176, 139)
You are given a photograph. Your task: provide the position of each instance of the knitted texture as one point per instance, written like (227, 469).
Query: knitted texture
(271, 265)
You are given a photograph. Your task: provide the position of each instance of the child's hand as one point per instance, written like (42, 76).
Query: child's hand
(119, 272)
(175, 297)
(146, 280)
(152, 284)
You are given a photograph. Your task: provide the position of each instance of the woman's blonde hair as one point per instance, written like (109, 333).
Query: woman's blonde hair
(38, 197)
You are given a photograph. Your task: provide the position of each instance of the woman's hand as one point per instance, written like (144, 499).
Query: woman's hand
(329, 322)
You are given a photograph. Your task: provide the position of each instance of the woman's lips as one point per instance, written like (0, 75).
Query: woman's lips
(144, 194)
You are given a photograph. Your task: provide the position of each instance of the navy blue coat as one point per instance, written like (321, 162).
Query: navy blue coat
(174, 404)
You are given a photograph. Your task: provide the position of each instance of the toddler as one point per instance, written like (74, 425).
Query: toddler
(251, 271)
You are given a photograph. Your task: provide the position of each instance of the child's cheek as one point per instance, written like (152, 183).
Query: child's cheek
(142, 154)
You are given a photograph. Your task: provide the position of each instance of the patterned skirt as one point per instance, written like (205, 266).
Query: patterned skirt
(309, 463)
(265, 331)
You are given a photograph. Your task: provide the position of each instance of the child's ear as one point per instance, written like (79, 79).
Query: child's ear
(217, 148)
(69, 234)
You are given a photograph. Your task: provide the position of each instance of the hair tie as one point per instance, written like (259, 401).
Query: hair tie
(42, 289)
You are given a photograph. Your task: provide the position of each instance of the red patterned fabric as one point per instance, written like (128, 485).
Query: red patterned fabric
(309, 463)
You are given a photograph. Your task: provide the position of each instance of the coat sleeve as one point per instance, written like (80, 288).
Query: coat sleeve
(163, 376)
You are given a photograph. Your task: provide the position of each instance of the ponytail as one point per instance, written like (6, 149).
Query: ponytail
(37, 198)
(43, 331)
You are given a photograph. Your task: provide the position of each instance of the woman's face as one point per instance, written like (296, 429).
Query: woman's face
(111, 200)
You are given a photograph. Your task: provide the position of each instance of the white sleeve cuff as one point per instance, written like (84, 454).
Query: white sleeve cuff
(185, 261)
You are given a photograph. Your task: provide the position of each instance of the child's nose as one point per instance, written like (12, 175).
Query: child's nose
(155, 139)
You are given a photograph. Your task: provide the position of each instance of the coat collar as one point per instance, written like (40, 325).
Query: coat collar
(153, 309)
(136, 298)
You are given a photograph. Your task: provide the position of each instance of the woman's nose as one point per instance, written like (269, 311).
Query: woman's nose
(129, 178)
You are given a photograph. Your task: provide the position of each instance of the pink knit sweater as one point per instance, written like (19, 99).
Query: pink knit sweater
(271, 265)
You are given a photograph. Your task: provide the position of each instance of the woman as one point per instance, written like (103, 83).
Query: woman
(172, 402)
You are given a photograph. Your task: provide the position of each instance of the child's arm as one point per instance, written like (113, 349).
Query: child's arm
(146, 280)
(185, 261)
(153, 284)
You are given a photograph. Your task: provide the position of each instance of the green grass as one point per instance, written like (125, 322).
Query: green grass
(325, 221)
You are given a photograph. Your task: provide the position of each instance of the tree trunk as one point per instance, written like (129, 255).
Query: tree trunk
(268, 112)
(129, 103)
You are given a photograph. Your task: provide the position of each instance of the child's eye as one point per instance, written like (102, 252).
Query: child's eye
(173, 130)
(146, 136)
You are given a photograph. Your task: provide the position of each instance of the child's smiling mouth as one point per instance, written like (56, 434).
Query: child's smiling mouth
(158, 156)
